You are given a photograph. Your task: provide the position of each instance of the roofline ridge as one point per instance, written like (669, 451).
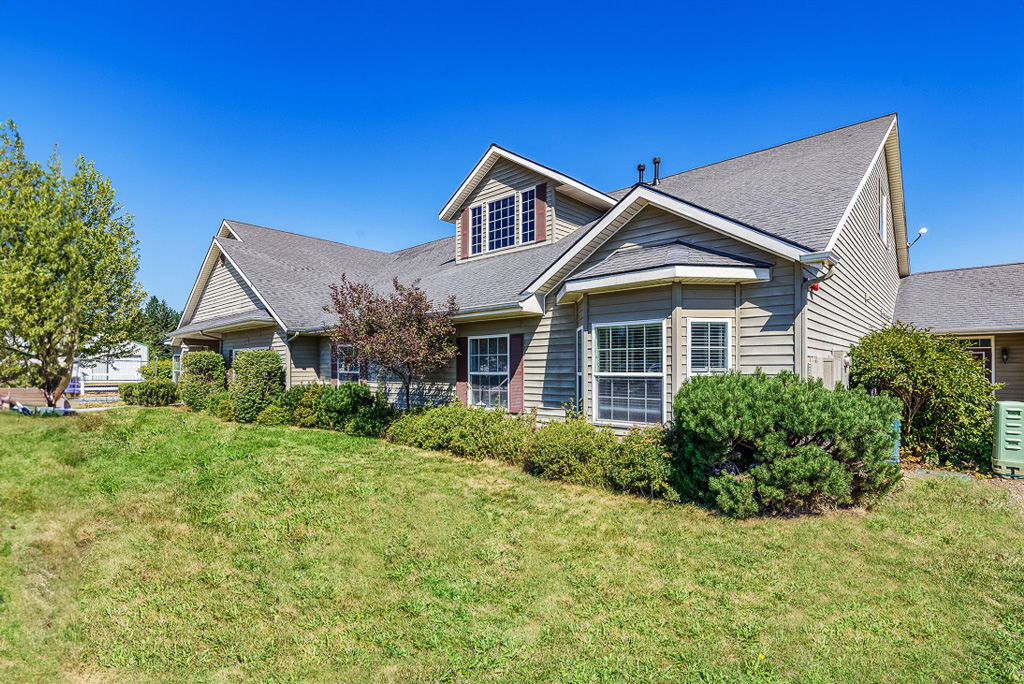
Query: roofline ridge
(966, 268)
(765, 149)
(308, 237)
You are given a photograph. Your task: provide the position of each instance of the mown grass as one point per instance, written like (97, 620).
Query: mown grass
(151, 545)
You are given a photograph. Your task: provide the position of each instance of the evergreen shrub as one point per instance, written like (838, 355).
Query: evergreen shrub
(202, 375)
(572, 450)
(759, 444)
(256, 383)
(149, 393)
(472, 433)
(642, 464)
(273, 415)
(159, 369)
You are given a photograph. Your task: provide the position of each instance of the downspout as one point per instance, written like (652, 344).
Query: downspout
(822, 278)
(288, 368)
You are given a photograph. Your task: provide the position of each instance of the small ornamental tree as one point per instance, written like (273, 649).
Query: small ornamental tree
(401, 333)
(946, 398)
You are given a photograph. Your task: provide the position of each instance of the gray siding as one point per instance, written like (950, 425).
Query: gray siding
(224, 294)
(261, 338)
(502, 180)
(1010, 373)
(861, 296)
(570, 214)
(305, 361)
(762, 313)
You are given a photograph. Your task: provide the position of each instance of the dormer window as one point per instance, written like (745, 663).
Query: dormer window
(529, 221)
(501, 223)
(476, 219)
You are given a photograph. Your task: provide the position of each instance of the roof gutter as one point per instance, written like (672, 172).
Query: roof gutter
(533, 305)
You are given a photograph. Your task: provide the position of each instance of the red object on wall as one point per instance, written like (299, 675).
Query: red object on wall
(541, 201)
(464, 236)
(462, 370)
(515, 372)
(815, 286)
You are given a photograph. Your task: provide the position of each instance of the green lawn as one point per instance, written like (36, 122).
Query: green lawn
(162, 546)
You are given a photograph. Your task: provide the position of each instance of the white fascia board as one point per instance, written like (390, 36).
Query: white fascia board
(224, 225)
(531, 306)
(819, 258)
(680, 208)
(494, 152)
(730, 274)
(263, 299)
(860, 186)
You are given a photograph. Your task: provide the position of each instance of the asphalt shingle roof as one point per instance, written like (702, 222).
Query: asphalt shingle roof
(979, 299)
(678, 253)
(797, 191)
(254, 316)
(293, 273)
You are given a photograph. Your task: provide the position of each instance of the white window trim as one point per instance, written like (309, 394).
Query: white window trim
(594, 375)
(235, 350)
(581, 367)
(469, 366)
(992, 346)
(519, 216)
(729, 360)
(515, 222)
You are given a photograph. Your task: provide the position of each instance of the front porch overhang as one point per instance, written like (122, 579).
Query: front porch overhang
(214, 328)
(572, 290)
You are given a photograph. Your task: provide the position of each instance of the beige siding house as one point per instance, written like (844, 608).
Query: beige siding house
(779, 260)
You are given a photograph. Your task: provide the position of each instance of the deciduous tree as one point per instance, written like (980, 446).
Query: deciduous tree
(400, 333)
(68, 264)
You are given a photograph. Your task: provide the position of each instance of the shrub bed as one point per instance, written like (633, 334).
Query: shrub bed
(149, 393)
(467, 432)
(572, 450)
(158, 369)
(202, 375)
(257, 381)
(757, 444)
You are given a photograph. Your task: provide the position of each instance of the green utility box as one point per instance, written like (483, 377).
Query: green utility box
(1008, 447)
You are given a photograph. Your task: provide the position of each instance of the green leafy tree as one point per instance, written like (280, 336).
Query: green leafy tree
(946, 398)
(152, 324)
(68, 264)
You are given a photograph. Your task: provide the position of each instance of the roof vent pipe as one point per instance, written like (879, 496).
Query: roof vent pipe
(641, 168)
(657, 175)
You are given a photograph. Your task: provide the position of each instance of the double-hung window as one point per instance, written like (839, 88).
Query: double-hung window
(348, 366)
(709, 346)
(628, 372)
(528, 202)
(488, 371)
(476, 232)
(501, 223)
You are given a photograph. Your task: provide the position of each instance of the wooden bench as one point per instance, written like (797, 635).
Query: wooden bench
(30, 397)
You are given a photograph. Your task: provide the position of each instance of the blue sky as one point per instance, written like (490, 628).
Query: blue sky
(356, 123)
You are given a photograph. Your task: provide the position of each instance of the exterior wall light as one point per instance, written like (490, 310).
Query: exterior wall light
(1006, 354)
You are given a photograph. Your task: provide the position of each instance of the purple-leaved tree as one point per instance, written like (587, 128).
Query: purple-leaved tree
(401, 333)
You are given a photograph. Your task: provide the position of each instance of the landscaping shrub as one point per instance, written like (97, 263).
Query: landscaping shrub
(641, 464)
(257, 381)
(219, 404)
(369, 421)
(150, 393)
(127, 392)
(289, 400)
(755, 444)
(202, 374)
(946, 398)
(467, 432)
(333, 408)
(572, 450)
(159, 369)
(273, 415)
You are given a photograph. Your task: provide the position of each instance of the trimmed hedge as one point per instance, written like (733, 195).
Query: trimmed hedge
(159, 369)
(467, 432)
(257, 381)
(757, 444)
(642, 464)
(149, 393)
(572, 450)
(202, 375)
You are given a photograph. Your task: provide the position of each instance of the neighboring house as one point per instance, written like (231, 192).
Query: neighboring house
(101, 374)
(984, 305)
(779, 259)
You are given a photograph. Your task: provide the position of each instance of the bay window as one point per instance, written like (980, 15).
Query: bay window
(709, 346)
(629, 377)
(488, 371)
